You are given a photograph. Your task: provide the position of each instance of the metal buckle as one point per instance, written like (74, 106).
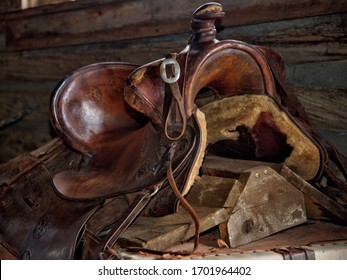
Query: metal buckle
(176, 69)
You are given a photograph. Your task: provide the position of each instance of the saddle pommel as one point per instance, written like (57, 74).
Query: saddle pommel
(203, 23)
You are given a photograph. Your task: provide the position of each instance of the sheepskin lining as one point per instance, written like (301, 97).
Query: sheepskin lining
(194, 171)
(225, 117)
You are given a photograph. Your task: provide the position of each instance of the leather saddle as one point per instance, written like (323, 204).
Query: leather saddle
(144, 130)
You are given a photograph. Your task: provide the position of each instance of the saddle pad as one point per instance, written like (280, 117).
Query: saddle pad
(253, 127)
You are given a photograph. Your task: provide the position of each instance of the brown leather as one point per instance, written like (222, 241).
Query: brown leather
(88, 104)
(287, 98)
(296, 253)
(90, 114)
(34, 221)
(230, 68)
(130, 130)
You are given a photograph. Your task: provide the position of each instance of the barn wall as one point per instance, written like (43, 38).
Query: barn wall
(39, 46)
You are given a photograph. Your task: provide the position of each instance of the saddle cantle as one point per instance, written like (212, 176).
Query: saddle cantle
(232, 70)
(144, 130)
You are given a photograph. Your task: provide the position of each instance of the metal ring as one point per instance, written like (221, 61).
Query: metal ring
(177, 70)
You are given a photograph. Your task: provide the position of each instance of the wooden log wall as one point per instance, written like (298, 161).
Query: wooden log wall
(39, 46)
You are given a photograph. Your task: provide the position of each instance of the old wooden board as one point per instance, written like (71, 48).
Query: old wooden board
(10, 5)
(213, 198)
(259, 204)
(318, 205)
(119, 20)
(229, 167)
(311, 235)
(267, 204)
(215, 192)
(307, 234)
(325, 107)
(164, 232)
(323, 42)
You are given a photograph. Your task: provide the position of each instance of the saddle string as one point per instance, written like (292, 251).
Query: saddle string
(136, 206)
(179, 100)
(185, 204)
(169, 66)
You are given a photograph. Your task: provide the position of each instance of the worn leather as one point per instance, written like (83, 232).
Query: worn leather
(128, 131)
(229, 68)
(34, 221)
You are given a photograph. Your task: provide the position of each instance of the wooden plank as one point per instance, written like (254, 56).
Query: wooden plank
(29, 132)
(312, 233)
(315, 74)
(53, 64)
(327, 27)
(303, 40)
(164, 232)
(26, 4)
(108, 21)
(119, 20)
(268, 204)
(2, 38)
(10, 5)
(319, 206)
(215, 192)
(229, 167)
(297, 53)
(325, 107)
(318, 236)
(211, 197)
(309, 234)
(56, 8)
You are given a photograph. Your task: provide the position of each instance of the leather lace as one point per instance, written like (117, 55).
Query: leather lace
(182, 200)
(179, 100)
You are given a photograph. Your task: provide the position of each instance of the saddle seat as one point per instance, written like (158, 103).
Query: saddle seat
(127, 153)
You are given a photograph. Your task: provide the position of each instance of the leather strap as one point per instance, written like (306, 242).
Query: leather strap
(176, 94)
(330, 153)
(134, 209)
(296, 253)
(179, 102)
(180, 197)
(102, 247)
(286, 95)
